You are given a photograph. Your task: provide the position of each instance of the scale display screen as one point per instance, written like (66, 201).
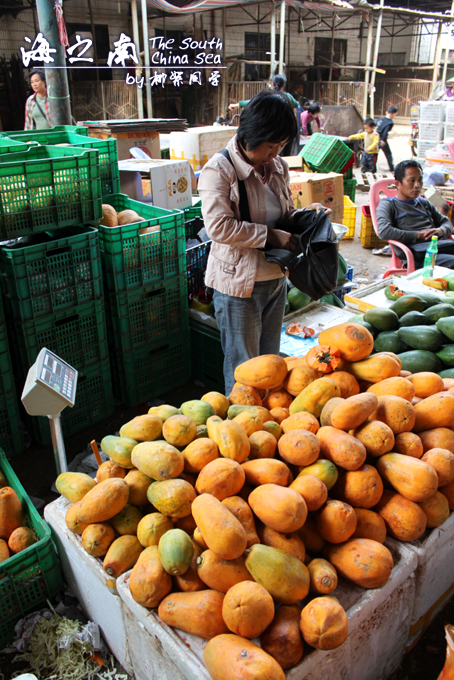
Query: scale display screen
(58, 375)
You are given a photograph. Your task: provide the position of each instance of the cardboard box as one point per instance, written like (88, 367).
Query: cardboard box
(296, 162)
(199, 144)
(314, 187)
(147, 141)
(164, 183)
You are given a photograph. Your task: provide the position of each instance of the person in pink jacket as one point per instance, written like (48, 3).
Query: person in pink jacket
(249, 293)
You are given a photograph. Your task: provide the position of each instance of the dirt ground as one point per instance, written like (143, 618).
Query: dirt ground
(36, 468)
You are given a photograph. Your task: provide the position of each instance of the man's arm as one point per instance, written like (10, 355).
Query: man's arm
(441, 222)
(386, 225)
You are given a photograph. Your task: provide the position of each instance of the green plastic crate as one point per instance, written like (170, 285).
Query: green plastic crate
(350, 188)
(108, 154)
(94, 402)
(325, 153)
(48, 187)
(133, 258)
(77, 335)
(154, 314)
(62, 272)
(11, 438)
(8, 145)
(207, 357)
(28, 134)
(32, 576)
(140, 375)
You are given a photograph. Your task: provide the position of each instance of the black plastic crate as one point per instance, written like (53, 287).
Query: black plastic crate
(207, 357)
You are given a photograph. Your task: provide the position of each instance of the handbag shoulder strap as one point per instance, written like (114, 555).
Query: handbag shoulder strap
(244, 202)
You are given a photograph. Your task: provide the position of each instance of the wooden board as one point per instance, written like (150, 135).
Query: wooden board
(364, 180)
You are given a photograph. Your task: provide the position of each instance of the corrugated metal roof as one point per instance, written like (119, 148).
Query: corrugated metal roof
(182, 7)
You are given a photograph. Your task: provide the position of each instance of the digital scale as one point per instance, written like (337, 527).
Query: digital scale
(51, 386)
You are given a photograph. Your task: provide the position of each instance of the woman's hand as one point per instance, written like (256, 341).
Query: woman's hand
(318, 207)
(281, 239)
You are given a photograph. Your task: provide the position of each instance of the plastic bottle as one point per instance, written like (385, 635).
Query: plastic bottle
(429, 258)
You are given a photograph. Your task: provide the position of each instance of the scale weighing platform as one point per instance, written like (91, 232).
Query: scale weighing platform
(50, 386)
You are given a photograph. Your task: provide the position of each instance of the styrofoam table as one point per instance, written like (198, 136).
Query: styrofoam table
(95, 590)
(379, 623)
(434, 576)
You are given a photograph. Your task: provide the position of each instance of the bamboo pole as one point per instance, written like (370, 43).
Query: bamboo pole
(375, 60)
(332, 46)
(448, 43)
(146, 55)
(135, 34)
(368, 54)
(437, 57)
(273, 41)
(282, 37)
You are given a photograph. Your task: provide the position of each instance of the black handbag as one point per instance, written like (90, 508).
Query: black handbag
(313, 266)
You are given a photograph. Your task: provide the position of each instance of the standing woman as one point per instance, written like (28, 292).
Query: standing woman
(249, 292)
(37, 105)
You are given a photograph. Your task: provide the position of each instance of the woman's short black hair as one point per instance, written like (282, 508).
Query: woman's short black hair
(39, 72)
(314, 108)
(268, 117)
(279, 81)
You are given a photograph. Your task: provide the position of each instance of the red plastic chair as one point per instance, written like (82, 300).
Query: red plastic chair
(380, 187)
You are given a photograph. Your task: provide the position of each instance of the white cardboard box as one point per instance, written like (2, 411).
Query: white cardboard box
(95, 590)
(167, 183)
(379, 622)
(434, 576)
(199, 144)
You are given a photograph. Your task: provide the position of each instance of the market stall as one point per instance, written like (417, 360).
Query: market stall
(340, 447)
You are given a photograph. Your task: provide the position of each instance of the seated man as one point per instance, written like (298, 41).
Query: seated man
(412, 220)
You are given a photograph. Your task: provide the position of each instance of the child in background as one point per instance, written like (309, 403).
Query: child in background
(307, 117)
(384, 127)
(371, 139)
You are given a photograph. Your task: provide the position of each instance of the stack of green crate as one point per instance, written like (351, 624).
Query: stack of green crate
(10, 433)
(145, 283)
(350, 188)
(54, 297)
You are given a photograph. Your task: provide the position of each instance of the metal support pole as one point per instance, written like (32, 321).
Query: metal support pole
(56, 78)
(282, 37)
(332, 46)
(58, 444)
(95, 51)
(367, 70)
(375, 60)
(146, 55)
(273, 41)
(437, 57)
(224, 103)
(135, 35)
(448, 43)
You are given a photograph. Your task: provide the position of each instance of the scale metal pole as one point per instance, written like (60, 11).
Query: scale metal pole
(58, 444)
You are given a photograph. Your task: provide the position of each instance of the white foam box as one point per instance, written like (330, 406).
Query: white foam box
(434, 576)
(378, 630)
(199, 144)
(165, 184)
(95, 590)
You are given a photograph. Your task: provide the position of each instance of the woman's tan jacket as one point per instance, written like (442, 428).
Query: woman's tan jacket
(233, 259)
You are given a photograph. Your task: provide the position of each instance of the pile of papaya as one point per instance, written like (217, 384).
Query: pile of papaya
(236, 517)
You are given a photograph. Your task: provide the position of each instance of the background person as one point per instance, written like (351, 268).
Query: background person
(384, 127)
(307, 117)
(37, 105)
(412, 220)
(371, 139)
(449, 92)
(249, 292)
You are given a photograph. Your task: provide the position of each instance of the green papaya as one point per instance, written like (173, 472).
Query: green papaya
(381, 318)
(297, 299)
(341, 270)
(175, 551)
(389, 341)
(446, 326)
(392, 292)
(199, 411)
(413, 319)
(450, 279)
(417, 360)
(433, 314)
(422, 337)
(446, 373)
(236, 409)
(286, 310)
(119, 449)
(357, 317)
(430, 299)
(446, 354)
(408, 303)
